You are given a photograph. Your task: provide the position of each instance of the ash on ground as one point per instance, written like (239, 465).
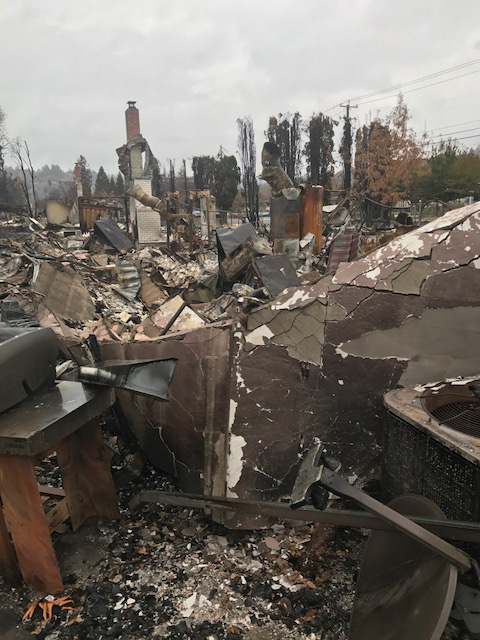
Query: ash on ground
(169, 572)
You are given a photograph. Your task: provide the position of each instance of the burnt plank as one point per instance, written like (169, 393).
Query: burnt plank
(29, 530)
(86, 474)
(8, 559)
(57, 514)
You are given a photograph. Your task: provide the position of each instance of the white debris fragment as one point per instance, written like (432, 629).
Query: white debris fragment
(188, 606)
(260, 335)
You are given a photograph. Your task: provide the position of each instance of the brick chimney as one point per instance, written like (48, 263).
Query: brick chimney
(132, 118)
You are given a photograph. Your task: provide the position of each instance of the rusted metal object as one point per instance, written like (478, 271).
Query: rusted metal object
(315, 476)
(341, 487)
(404, 590)
(447, 529)
(92, 208)
(311, 216)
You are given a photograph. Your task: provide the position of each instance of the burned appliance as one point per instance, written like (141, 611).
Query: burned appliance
(28, 366)
(432, 446)
(27, 363)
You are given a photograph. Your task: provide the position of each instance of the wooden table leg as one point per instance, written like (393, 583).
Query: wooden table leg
(8, 559)
(24, 513)
(86, 475)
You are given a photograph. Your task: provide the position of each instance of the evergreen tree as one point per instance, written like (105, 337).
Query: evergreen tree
(85, 176)
(119, 185)
(226, 179)
(452, 174)
(102, 183)
(111, 188)
(203, 168)
(157, 179)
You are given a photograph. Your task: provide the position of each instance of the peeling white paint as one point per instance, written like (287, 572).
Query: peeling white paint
(260, 335)
(240, 380)
(340, 352)
(414, 246)
(340, 382)
(476, 263)
(235, 462)
(373, 274)
(231, 414)
(298, 296)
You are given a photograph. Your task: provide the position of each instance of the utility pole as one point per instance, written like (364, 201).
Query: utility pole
(185, 179)
(346, 147)
(172, 176)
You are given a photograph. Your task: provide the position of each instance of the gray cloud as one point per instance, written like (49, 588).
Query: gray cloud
(193, 68)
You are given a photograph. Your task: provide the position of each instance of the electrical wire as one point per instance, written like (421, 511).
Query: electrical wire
(456, 139)
(410, 82)
(450, 126)
(433, 84)
(454, 133)
(429, 77)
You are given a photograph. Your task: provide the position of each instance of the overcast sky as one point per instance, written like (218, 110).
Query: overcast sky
(68, 68)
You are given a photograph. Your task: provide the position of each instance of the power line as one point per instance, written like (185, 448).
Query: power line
(433, 84)
(454, 133)
(456, 139)
(429, 77)
(450, 126)
(410, 82)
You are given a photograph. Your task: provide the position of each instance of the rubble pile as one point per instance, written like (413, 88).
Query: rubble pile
(109, 289)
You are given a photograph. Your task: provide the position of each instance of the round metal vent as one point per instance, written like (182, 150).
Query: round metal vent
(455, 406)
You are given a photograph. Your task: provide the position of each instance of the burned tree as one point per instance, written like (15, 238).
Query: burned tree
(21, 154)
(346, 148)
(319, 150)
(286, 133)
(388, 160)
(248, 160)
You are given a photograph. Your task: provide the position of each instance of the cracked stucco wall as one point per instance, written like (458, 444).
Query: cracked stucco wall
(317, 360)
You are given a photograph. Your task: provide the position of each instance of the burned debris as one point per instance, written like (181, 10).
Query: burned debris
(255, 389)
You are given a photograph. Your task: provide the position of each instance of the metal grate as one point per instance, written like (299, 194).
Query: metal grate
(414, 462)
(462, 415)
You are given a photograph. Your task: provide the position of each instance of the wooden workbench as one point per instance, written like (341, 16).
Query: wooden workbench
(62, 419)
